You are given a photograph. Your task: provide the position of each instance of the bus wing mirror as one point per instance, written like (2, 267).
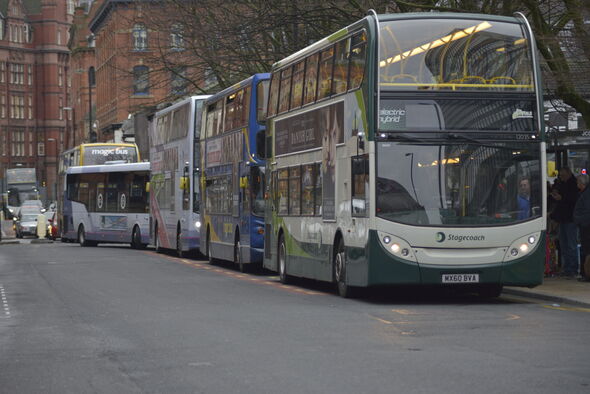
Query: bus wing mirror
(183, 183)
(243, 182)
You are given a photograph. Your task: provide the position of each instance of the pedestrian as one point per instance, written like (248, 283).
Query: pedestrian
(582, 219)
(565, 194)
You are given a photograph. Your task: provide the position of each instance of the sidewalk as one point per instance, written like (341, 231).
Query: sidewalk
(556, 290)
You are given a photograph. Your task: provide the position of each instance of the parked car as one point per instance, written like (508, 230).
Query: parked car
(51, 217)
(26, 224)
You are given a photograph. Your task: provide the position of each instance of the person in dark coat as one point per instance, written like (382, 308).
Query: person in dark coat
(565, 194)
(582, 219)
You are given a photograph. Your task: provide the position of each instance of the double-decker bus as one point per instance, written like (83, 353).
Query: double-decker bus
(108, 203)
(409, 149)
(175, 190)
(84, 155)
(21, 185)
(233, 136)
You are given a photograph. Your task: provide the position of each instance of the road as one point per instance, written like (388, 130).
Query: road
(110, 319)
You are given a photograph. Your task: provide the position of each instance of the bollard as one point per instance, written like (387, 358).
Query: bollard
(41, 226)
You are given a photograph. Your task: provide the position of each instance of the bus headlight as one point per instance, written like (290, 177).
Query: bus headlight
(197, 224)
(522, 246)
(396, 246)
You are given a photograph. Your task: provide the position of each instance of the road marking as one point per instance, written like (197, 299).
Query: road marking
(272, 281)
(513, 317)
(382, 320)
(567, 308)
(404, 312)
(4, 301)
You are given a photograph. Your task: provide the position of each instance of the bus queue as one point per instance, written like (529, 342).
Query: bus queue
(380, 155)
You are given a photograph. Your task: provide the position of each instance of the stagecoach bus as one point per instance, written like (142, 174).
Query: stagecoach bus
(409, 149)
(233, 139)
(108, 203)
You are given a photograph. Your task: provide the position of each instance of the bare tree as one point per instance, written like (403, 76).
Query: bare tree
(562, 39)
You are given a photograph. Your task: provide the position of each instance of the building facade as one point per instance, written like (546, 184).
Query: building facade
(128, 76)
(34, 82)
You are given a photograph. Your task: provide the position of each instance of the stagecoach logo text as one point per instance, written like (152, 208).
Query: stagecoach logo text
(522, 114)
(440, 237)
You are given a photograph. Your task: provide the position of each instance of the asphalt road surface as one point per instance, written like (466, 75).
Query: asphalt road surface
(110, 319)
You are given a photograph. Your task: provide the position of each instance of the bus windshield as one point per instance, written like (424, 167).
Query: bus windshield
(463, 184)
(451, 54)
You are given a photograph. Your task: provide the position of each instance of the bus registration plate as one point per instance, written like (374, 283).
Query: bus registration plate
(460, 278)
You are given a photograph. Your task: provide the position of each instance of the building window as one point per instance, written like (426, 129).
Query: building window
(2, 72)
(60, 76)
(17, 74)
(71, 7)
(139, 37)
(3, 143)
(2, 106)
(1, 29)
(30, 76)
(31, 152)
(140, 80)
(40, 149)
(18, 143)
(178, 81)
(30, 107)
(21, 107)
(59, 37)
(61, 108)
(177, 37)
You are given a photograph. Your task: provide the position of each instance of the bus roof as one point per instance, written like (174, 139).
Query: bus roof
(180, 103)
(118, 167)
(252, 79)
(102, 144)
(385, 18)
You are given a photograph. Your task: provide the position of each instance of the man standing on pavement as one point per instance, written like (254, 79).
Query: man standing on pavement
(565, 194)
(582, 219)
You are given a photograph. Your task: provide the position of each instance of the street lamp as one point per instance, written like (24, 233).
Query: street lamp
(56, 167)
(73, 131)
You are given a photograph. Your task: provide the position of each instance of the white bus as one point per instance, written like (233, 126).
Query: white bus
(175, 156)
(409, 149)
(108, 203)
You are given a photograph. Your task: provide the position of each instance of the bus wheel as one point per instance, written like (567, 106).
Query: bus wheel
(282, 256)
(490, 291)
(82, 237)
(344, 290)
(136, 239)
(238, 255)
(157, 241)
(209, 255)
(179, 251)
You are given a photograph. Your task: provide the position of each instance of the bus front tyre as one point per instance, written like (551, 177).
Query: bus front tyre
(282, 257)
(490, 291)
(157, 242)
(82, 237)
(136, 239)
(179, 251)
(209, 254)
(344, 290)
(238, 256)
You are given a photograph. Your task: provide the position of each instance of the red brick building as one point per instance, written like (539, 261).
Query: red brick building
(34, 79)
(126, 80)
(83, 65)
